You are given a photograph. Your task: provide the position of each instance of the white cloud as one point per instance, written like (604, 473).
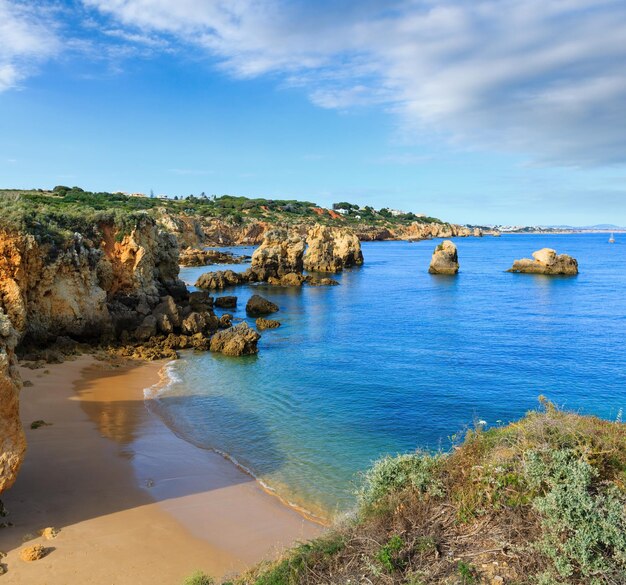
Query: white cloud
(543, 78)
(27, 37)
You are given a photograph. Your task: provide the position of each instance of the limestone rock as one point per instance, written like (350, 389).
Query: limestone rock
(12, 440)
(220, 279)
(200, 301)
(445, 259)
(33, 553)
(227, 302)
(197, 257)
(266, 324)
(258, 306)
(546, 261)
(198, 322)
(289, 279)
(280, 253)
(236, 341)
(314, 281)
(225, 321)
(147, 329)
(331, 249)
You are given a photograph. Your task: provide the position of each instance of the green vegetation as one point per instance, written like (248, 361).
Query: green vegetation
(540, 501)
(54, 216)
(198, 578)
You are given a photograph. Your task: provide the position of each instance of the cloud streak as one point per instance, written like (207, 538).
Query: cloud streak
(546, 79)
(27, 38)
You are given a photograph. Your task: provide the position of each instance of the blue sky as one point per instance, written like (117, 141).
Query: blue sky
(475, 111)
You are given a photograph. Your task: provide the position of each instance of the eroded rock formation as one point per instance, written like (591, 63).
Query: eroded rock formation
(546, 261)
(236, 341)
(331, 249)
(445, 259)
(280, 253)
(198, 257)
(258, 306)
(12, 440)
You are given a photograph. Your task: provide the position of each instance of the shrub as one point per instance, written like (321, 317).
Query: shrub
(395, 474)
(198, 578)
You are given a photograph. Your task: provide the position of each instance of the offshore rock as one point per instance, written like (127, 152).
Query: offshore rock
(258, 306)
(546, 261)
(221, 279)
(236, 341)
(227, 302)
(331, 249)
(262, 324)
(445, 259)
(280, 253)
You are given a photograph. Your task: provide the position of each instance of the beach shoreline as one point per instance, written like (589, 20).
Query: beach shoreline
(134, 503)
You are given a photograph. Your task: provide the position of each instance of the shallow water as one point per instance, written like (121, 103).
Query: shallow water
(395, 359)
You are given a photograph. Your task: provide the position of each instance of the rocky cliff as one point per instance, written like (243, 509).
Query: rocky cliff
(12, 440)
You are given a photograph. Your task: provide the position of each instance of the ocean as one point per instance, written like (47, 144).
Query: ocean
(395, 359)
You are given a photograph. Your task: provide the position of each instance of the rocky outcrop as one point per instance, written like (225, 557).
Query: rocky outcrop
(331, 249)
(257, 306)
(226, 302)
(280, 253)
(221, 279)
(236, 341)
(262, 324)
(445, 259)
(188, 230)
(546, 261)
(12, 440)
(197, 257)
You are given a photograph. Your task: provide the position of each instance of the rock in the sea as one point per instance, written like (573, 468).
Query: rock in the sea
(257, 306)
(236, 341)
(546, 261)
(266, 324)
(200, 300)
(280, 253)
(199, 322)
(33, 553)
(313, 281)
(227, 302)
(226, 321)
(289, 279)
(220, 279)
(445, 259)
(331, 249)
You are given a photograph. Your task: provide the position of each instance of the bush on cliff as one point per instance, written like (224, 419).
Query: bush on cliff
(541, 501)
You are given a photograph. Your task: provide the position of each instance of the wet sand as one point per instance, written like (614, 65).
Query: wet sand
(134, 503)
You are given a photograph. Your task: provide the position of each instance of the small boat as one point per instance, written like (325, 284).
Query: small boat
(612, 239)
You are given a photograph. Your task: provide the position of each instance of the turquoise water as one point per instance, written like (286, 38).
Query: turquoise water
(395, 359)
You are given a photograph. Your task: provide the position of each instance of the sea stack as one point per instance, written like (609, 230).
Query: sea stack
(445, 259)
(546, 261)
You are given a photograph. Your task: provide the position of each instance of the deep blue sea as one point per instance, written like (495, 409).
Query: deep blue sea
(395, 359)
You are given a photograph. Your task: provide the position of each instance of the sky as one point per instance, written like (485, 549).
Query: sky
(474, 111)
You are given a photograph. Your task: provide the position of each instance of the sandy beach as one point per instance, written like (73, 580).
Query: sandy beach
(133, 502)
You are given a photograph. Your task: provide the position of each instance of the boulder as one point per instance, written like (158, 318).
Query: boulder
(167, 314)
(289, 279)
(331, 249)
(445, 259)
(147, 329)
(313, 281)
(266, 324)
(226, 302)
(546, 261)
(257, 306)
(236, 341)
(33, 553)
(197, 322)
(200, 301)
(220, 279)
(226, 320)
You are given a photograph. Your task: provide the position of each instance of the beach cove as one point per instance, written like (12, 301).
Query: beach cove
(133, 502)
